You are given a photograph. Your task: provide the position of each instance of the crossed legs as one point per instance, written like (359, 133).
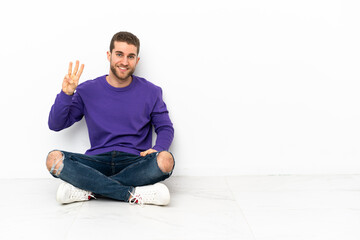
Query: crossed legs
(118, 186)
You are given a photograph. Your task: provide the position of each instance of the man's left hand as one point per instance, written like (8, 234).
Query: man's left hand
(149, 151)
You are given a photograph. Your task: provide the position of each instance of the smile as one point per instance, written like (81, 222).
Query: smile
(122, 68)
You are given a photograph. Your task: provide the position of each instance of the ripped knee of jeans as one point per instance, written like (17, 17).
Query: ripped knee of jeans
(165, 161)
(55, 162)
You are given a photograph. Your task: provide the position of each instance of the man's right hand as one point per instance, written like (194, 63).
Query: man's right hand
(71, 80)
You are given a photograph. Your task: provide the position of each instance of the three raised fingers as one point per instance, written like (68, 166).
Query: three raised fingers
(75, 72)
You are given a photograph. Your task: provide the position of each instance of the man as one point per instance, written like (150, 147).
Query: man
(120, 110)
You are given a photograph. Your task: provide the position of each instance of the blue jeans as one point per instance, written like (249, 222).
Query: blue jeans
(112, 174)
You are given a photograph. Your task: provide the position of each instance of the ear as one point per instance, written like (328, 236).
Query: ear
(138, 59)
(108, 55)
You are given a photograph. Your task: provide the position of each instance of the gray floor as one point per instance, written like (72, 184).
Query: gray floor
(239, 207)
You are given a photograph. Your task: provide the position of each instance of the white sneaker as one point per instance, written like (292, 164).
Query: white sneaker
(157, 194)
(67, 193)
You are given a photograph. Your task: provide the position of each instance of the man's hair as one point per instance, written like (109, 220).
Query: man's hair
(127, 37)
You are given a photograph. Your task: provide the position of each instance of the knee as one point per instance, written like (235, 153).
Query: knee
(54, 162)
(165, 161)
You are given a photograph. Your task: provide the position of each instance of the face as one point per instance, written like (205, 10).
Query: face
(123, 60)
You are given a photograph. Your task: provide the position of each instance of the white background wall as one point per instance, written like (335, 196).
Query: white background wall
(253, 87)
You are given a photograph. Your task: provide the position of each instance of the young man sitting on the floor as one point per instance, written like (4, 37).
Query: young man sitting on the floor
(120, 110)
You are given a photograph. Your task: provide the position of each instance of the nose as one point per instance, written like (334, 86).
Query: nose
(124, 61)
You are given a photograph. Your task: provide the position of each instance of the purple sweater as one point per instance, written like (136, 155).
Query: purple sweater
(118, 119)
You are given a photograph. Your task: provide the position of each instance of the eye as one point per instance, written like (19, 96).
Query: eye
(131, 57)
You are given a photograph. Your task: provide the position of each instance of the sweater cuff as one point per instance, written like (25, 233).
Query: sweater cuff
(63, 97)
(158, 148)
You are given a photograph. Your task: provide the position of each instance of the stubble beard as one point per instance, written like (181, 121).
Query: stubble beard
(113, 70)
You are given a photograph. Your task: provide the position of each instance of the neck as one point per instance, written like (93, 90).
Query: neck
(118, 83)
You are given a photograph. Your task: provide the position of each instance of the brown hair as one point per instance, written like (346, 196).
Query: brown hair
(127, 37)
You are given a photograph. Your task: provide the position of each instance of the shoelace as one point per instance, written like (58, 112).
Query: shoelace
(136, 199)
(141, 199)
(78, 194)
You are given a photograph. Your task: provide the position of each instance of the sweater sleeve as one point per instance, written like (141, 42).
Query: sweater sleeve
(65, 111)
(162, 124)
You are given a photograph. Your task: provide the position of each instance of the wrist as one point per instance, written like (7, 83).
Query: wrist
(68, 93)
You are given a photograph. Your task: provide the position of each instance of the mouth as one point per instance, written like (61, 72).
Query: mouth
(122, 69)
